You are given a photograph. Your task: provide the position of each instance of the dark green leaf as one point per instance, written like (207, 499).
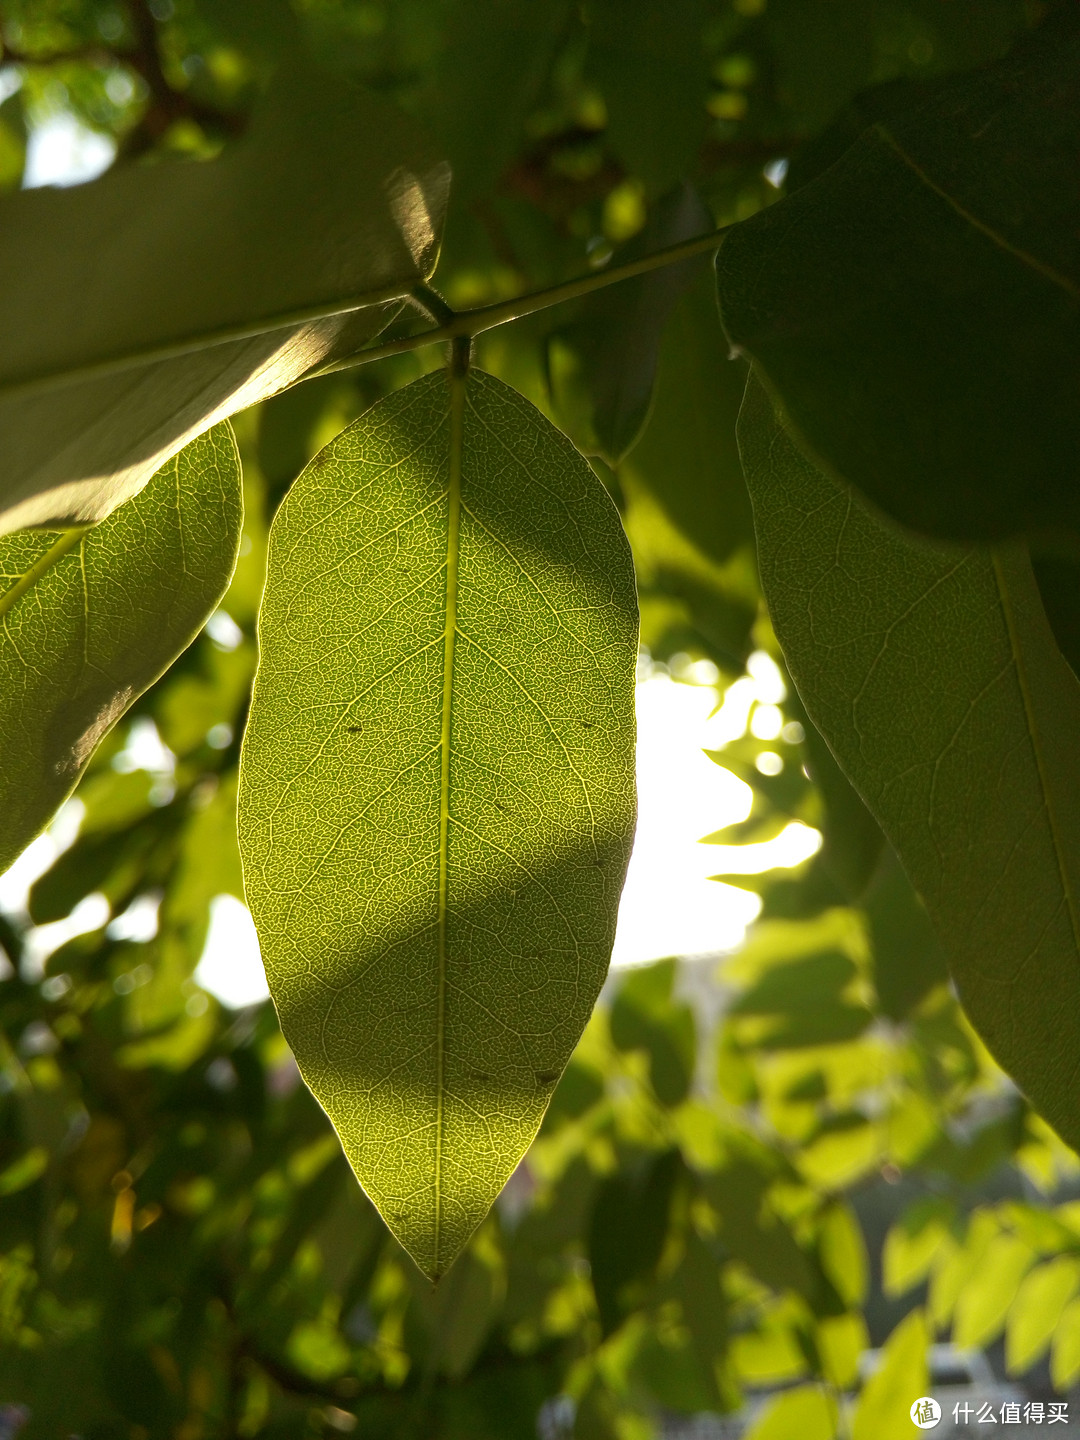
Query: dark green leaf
(644, 1016)
(493, 59)
(603, 365)
(687, 457)
(627, 1230)
(1059, 587)
(805, 997)
(916, 308)
(750, 1230)
(650, 65)
(907, 956)
(851, 837)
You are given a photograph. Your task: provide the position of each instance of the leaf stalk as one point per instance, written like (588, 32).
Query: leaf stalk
(470, 323)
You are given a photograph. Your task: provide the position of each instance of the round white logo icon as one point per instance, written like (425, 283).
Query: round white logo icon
(925, 1412)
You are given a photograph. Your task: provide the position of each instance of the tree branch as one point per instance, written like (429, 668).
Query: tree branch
(470, 323)
(467, 323)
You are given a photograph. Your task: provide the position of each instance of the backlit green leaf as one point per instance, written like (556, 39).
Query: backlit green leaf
(934, 677)
(984, 1301)
(1065, 1361)
(843, 1254)
(1036, 1310)
(916, 307)
(174, 308)
(882, 1409)
(89, 619)
(436, 797)
(808, 1411)
(912, 1243)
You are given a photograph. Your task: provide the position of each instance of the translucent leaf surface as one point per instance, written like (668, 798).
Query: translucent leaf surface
(89, 619)
(882, 1409)
(174, 308)
(934, 677)
(1034, 1314)
(1065, 1360)
(808, 1411)
(984, 1301)
(436, 798)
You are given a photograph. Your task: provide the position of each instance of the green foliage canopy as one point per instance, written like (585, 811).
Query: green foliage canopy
(182, 1248)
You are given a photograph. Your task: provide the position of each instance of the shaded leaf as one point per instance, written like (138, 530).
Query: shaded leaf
(174, 309)
(805, 997)
(650, 65)
(906, 954)
(436, 796)
(1059, 587)
(851, 838)
(934, 677)
(603, 365)
(937, 260)
(627, 1230)
(103, 613)
(751, 1231)
(687, 457)
(644, 1016)
(494, 57)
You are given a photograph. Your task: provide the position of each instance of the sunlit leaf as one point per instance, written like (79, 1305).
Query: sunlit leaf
(436, 793)
(912, 1243)
(984, 1301)
(843, 1254)
(841, 1339)
(89, 619)
(883, 1405)
(808, 1411)
(935, 679)
(1033, 1316)
(1065, 1360)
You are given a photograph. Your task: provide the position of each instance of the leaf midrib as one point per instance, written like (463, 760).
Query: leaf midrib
(63, 545)
(1037, 748)
(453, 544)
(1031, 261)
(195, 343)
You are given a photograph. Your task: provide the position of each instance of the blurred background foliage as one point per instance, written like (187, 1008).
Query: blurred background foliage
(755, 1169)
